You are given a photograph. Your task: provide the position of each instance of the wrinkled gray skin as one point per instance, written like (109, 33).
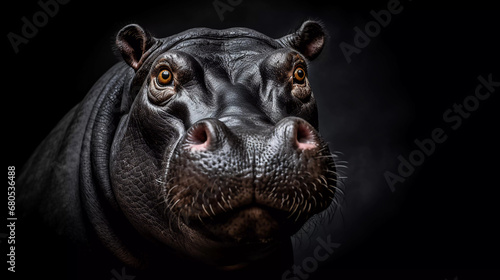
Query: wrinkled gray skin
(220, 164)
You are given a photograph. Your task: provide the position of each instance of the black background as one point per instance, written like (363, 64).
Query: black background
(441, 223)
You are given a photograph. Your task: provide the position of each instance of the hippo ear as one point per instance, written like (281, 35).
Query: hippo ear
(134, 44)
(309, 39)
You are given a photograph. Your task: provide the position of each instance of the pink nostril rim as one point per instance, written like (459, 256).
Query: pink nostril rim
(198, 137)
(305, 138)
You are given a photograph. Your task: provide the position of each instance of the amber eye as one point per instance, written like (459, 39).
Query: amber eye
(299, 75)
(164, 77)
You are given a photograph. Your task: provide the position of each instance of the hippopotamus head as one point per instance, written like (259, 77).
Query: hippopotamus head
(219, 156)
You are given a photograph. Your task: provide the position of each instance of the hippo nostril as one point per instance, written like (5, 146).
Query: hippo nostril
(305, 137)
(198, 137)
(297, 134)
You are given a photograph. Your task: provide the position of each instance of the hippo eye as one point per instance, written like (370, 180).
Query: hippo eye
(299, 75)
(164, 77)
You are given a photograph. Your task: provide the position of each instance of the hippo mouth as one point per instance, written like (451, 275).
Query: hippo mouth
(252, 187)
(251, 224)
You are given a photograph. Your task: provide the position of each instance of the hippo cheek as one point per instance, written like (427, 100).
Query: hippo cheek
(249, 188)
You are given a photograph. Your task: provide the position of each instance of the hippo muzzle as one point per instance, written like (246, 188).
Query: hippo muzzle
(248, 186)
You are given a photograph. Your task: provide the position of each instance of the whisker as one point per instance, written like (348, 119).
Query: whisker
(211, 209)
(199, 218)
(173, 205)
(223, 209)
(204, 209)
(296, 219)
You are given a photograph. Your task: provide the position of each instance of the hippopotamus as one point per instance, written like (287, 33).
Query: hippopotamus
(200, 149)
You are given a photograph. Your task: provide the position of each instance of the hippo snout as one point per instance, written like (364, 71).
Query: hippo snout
(249, 185)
